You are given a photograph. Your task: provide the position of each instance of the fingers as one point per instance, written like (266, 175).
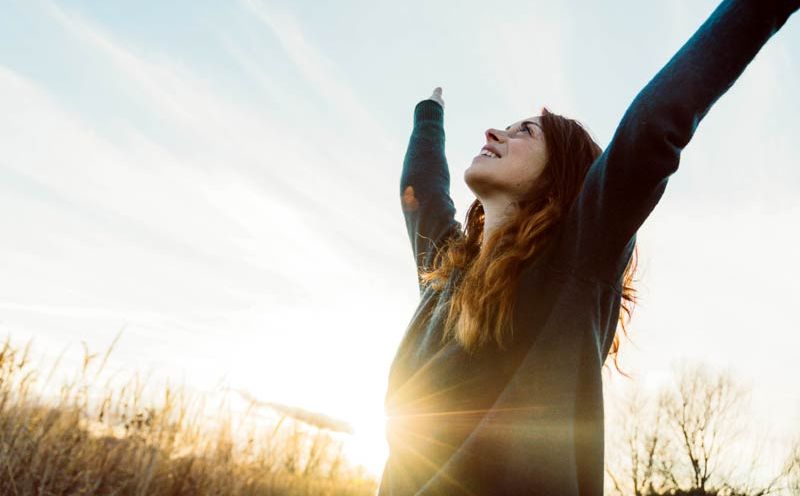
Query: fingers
(437, 96)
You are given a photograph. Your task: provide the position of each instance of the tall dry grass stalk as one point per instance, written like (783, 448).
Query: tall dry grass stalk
(82, 442)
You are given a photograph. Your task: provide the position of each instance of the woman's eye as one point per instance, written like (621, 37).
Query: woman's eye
(528, 129)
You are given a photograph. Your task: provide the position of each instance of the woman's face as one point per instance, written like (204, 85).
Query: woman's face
(522, 157)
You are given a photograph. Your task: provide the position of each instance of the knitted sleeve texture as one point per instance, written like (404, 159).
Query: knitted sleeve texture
(425, 186)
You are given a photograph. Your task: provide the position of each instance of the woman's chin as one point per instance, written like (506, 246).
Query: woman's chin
(475, 175)
(475, 166)
(480, 164)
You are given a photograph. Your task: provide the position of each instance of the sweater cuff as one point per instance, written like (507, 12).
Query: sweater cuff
(428, 110)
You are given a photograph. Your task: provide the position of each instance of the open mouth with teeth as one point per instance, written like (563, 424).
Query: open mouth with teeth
(487, 153)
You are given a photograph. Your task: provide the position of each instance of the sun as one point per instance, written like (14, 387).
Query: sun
(367, 445)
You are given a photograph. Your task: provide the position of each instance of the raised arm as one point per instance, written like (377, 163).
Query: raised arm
(626, 182)
(535, 438)
(425, 185)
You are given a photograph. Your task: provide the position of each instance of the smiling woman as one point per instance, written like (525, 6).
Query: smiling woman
(501, 181)
(496, 386)
(522, 196)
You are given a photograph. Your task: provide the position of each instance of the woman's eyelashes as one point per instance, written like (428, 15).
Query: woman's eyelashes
(526, 128)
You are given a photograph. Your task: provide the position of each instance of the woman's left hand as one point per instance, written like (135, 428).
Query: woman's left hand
(437, 96)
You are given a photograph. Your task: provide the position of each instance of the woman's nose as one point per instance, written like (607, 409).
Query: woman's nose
(494, 135)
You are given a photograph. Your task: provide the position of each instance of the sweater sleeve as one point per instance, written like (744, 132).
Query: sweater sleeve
(625, 183)
(425, 186)
(526, 439)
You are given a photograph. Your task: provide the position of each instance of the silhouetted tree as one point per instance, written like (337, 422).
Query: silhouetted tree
(678, 446)
(645, 448)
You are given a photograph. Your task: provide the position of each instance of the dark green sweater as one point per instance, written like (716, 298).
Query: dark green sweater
(529, 420)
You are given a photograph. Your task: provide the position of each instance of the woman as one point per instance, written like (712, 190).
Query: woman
(496, 386)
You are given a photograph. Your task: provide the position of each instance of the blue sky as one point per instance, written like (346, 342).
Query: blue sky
(222, 180)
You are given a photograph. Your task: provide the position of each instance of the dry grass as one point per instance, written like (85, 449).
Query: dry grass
(110, 443)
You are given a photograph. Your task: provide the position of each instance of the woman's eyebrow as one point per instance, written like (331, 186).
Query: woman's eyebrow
(526, 122)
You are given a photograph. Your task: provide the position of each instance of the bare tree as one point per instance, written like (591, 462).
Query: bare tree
(681, 446)
(644, 445)
(704, 413)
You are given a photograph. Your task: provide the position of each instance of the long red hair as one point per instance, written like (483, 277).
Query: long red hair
(481, 307)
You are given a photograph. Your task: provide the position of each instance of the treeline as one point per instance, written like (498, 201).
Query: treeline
(690, 438)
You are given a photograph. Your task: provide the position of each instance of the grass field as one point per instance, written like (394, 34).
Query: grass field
(94, 439)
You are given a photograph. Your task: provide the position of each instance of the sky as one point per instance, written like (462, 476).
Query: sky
(220, 181)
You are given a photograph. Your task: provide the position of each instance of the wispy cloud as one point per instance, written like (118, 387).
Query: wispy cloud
(232, 135)
(319, 70)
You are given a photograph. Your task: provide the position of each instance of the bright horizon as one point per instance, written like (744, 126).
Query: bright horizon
(222, 180)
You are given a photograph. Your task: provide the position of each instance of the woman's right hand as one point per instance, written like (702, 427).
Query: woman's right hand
(437, 96)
